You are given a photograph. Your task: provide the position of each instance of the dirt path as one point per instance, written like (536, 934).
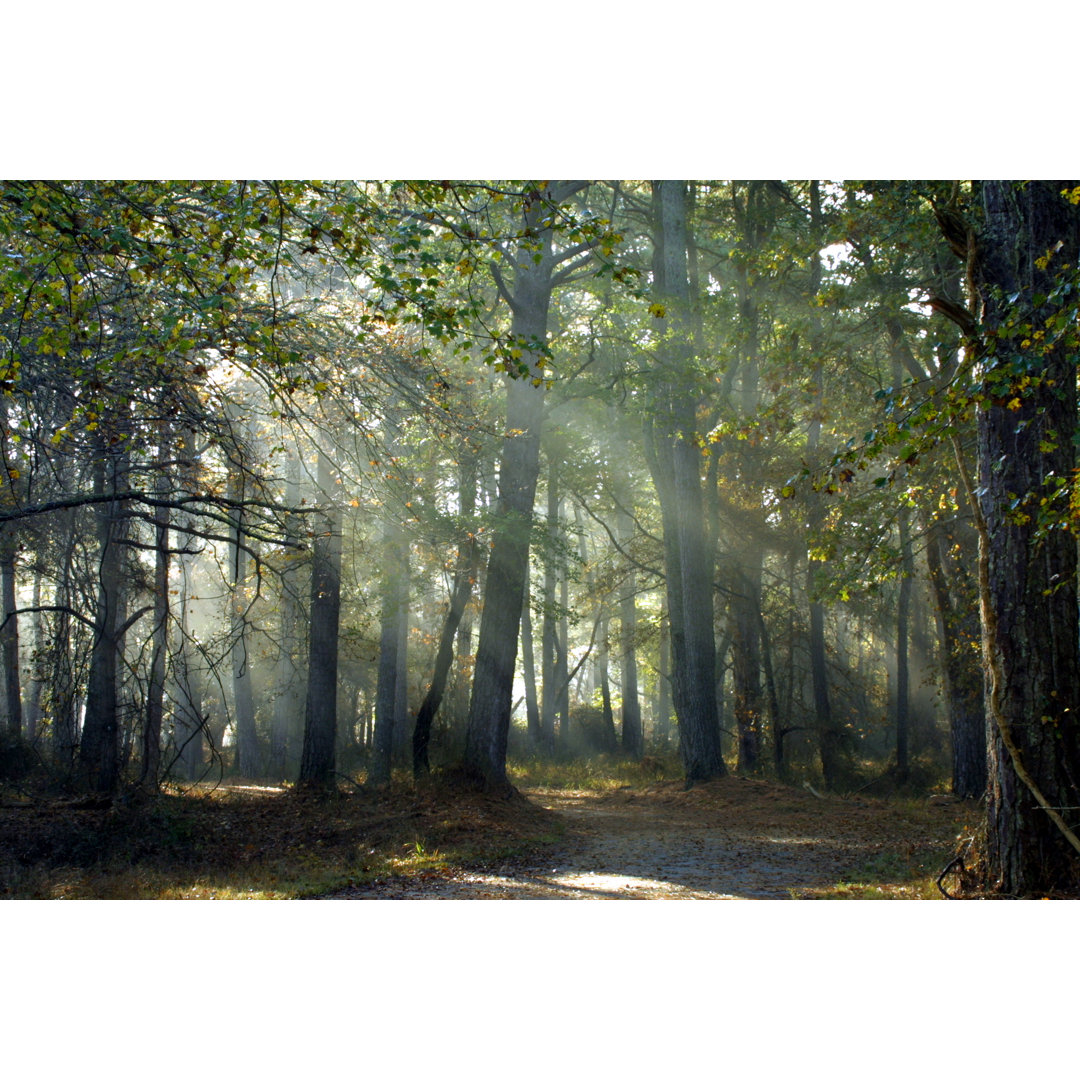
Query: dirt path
(732, 839)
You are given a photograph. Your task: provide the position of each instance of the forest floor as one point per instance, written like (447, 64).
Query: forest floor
(649, 839)
(729, 839)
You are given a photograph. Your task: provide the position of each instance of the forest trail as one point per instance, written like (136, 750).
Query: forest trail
(730, 839)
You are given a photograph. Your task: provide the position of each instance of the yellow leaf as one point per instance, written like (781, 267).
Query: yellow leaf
(658, 311)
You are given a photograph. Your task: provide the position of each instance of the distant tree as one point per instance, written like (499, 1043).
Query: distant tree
(317, 763)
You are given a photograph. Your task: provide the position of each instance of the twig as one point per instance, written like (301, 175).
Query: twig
(958, 861)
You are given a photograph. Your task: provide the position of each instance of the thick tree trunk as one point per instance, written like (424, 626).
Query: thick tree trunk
(99, 747)
(508, 564)
(320, 712)
(1027, 431)
(674, 462)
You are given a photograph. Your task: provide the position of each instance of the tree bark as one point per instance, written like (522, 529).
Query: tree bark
(188, 734)
(320, 712)
(633, 731)
(663, 680)
(459, 599)
(287, 702)
(247, 754)
(32, 715)
(674, 463)
(903, 627)
(99, 749)
(528, 670)
(746, 660)
(150, 776)
(956, 604)
(832, 744)
(508, 564)
(9, 632)
(394, 609)
(550, 630)
(1027, 433)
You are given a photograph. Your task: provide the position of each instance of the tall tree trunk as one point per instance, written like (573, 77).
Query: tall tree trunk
(320, 711)
(401, 681)
(550, 627)
(607, 717)
(674, 462)
(284, 725)
(562, 659)
(508, 564)
(459, 599)
(391, 657)
(32, 716)
(1027, 431)
(528, 670)
(99, 746)
(958, 622)
(903, 627)
(247, 749)
(633, 731)
(663, 681)
(188, 734)
(746, 661)
(9, 632)
(155, 690)
(62, 682)
(832, 745)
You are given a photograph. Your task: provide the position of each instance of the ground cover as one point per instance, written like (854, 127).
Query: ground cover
(620, 832)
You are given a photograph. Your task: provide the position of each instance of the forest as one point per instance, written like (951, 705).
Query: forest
(369, 538)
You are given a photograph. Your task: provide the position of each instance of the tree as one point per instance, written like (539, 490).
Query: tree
(674, 461)
(535, 273)
(1025, 258)
(320, 711)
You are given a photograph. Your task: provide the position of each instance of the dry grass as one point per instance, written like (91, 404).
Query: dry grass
(245, 842)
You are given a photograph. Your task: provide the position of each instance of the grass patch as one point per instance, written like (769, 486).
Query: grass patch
(601, 772)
